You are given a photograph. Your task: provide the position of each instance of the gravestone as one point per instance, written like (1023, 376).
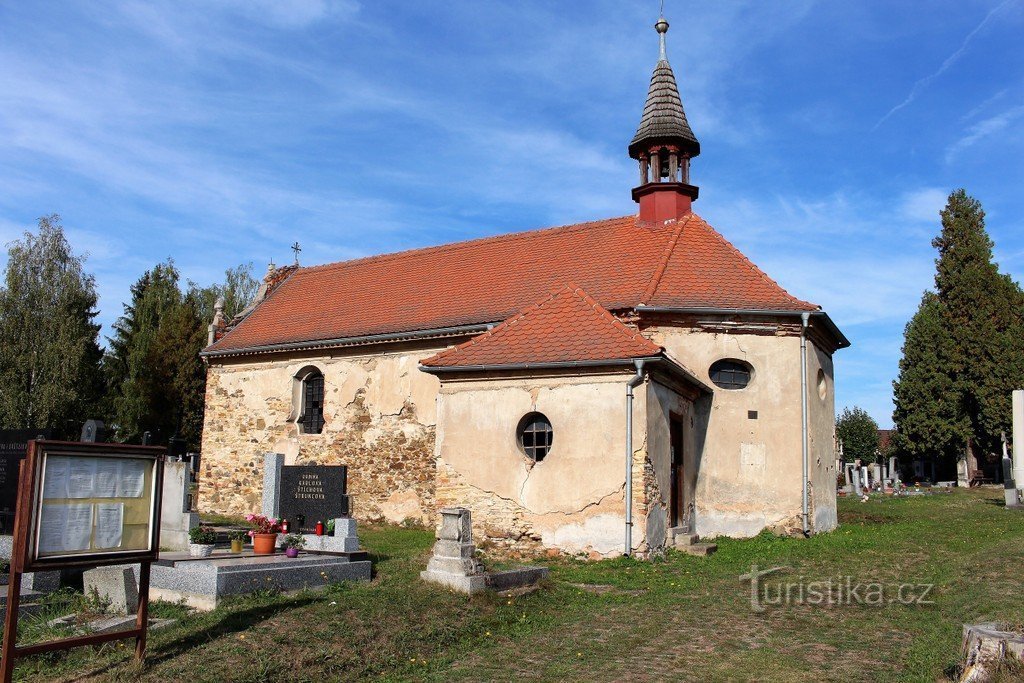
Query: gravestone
(313, 493)
(13, 447)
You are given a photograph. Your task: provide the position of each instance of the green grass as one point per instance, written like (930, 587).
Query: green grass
(681, 618)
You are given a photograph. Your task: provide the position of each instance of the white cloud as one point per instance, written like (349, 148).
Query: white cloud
(983, 129)
(923, 205)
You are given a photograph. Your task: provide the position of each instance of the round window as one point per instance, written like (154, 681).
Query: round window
(535, 436)
(822, 385)
(730, 374)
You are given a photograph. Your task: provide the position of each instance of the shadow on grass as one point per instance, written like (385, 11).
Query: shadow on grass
(231, 622)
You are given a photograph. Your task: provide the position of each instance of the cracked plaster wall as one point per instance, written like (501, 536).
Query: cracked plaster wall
(380, 418)
(573, 500)
(750, 471)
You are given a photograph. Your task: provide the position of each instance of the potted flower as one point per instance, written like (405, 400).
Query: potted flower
(237, 540)
(292, 543)
(201, 541)
(264, 533)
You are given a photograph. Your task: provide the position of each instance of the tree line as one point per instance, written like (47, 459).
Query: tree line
(54, 371)
(963, 354)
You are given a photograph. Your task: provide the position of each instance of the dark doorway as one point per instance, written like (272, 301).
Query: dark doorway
(677, 486)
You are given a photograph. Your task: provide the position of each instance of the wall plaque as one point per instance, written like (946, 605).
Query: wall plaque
(312, 493)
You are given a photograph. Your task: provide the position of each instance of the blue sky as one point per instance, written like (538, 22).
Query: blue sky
(219, 132)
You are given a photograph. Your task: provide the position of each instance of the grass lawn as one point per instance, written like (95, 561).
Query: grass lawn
(683, 618)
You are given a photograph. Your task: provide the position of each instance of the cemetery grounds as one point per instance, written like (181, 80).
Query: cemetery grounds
(681, 618)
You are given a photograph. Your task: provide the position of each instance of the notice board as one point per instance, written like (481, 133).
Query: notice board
(91, 503)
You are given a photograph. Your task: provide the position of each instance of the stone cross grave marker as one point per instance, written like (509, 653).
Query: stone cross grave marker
(312, 493)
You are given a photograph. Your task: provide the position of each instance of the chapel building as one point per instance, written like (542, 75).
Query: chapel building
(595, 388)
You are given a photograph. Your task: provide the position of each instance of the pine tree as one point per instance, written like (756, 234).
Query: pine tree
(964, 349)
(859, 433)
(49, 355)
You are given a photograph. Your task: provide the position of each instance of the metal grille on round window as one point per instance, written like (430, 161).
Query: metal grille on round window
(312, 419)
(730, 374)
(535, 436)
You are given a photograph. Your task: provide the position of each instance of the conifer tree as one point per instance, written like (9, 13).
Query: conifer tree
(138, 402)
(964, 349)
(49, 355)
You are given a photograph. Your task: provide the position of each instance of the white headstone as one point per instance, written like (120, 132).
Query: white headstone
(1018, 438)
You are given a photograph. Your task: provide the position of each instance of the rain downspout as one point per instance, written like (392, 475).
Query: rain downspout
(804, 318)
(633, 382)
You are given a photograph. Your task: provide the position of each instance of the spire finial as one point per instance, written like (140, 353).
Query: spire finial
(662, 28)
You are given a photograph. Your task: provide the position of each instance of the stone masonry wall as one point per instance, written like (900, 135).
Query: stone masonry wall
(380, 421)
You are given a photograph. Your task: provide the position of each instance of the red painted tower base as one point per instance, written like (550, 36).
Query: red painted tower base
(660, 202)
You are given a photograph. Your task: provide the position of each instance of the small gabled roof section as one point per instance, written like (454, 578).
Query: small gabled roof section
(568, 327)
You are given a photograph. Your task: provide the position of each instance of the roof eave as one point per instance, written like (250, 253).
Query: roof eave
(841, 341)
(570, 365)
(432, 333)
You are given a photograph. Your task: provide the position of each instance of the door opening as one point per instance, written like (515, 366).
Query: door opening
(677, 486)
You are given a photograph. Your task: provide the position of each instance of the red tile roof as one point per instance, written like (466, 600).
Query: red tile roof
(620, 262)
(566, 327)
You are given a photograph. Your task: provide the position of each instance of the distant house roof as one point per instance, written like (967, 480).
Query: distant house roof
(566, 327)
(620, 262)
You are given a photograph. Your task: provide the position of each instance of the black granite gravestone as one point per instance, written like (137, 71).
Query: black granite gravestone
(13, 446)
(313, 493)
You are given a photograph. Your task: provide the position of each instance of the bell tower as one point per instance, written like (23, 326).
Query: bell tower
(663, 146)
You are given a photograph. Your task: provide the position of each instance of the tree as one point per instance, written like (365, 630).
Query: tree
(859, 433)
(964, 349)
(238, 289)
(49, 355)
(139, 402)
(157, 379)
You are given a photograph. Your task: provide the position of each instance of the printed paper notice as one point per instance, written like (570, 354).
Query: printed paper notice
(108, 472)
(81, 473)
(78, 528)
(133, 474)
(65, 528)
(51, 528)
(109, 525)
(55, 478)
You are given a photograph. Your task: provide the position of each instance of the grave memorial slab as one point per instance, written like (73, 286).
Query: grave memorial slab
(13, 446)
(313, 493)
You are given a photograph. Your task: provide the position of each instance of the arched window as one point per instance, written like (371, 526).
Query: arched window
(535, 436)
(311, 419)
(730, 374)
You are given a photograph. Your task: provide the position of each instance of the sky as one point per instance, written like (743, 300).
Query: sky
(219, 132)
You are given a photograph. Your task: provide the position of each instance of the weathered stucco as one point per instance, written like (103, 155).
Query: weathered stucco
(750, 469)
(572, 500)
(380, 418)
(414, 444)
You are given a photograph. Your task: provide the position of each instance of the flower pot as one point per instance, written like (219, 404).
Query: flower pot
(264, 544)
(237, 545)
(200, 549)
(291, 552)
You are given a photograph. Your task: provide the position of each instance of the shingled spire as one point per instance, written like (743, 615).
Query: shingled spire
(664, 145)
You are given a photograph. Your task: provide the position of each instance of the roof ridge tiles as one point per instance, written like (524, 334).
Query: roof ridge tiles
(652, 288)
(555, 339)
(753, 267)
(452, 246)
